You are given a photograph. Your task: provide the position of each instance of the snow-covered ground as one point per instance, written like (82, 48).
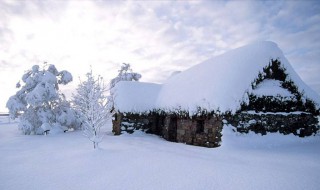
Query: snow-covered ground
(142, 161)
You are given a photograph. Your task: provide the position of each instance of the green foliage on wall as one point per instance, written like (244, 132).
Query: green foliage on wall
(276, 71)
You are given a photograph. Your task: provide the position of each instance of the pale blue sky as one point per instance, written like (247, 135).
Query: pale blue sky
(156, 37)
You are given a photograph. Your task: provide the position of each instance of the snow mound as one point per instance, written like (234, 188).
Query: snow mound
(270, 87)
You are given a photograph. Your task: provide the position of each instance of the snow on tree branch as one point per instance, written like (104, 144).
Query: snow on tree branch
(39, 102)
(90, 103)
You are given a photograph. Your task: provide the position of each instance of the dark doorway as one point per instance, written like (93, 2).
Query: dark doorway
(172, 131)
(200, 126)
(159, 125)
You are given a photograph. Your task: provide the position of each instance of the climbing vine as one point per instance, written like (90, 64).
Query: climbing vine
(274, 70)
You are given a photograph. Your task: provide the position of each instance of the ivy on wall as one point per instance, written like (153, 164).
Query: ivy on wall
(276, 71)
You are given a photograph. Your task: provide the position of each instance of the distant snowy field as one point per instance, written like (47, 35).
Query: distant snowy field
(142, 161)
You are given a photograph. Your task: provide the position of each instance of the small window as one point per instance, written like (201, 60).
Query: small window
(200, 126)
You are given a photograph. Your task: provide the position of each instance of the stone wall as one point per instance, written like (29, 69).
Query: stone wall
(188, 131)
(300, 124)
(172, 128)
(131, 122)
(116, 123)
(206, 131)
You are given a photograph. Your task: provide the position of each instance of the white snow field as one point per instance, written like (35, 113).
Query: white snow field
(142, 161)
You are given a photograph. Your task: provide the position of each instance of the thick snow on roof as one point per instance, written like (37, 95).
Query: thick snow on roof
(218, 83)
(131, 96)
(221, 82)
(270, 87)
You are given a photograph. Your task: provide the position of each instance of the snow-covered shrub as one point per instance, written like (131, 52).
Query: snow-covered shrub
(90, 103)
(125, 74)
(39, 102)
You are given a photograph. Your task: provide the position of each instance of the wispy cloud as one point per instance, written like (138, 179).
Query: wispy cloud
(156, 37)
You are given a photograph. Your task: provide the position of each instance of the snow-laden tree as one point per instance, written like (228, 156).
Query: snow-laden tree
(125, 74)
(39, 101)
(90, 103)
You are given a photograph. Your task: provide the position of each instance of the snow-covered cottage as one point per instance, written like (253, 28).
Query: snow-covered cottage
(254, 88)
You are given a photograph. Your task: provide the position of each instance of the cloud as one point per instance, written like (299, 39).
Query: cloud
(156, 37)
